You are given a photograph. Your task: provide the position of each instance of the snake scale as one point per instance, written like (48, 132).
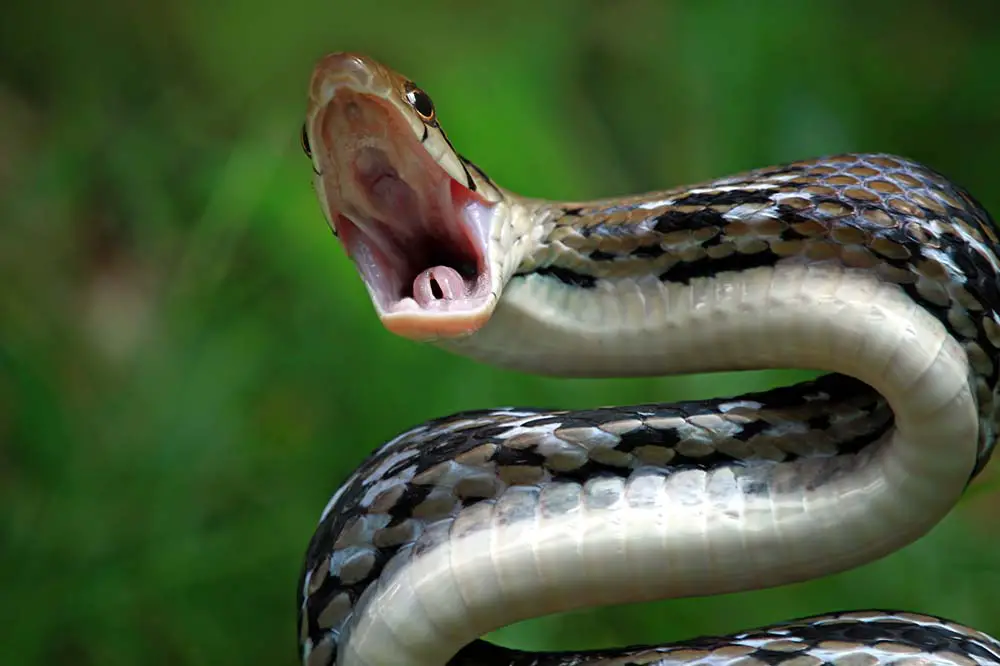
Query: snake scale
(868, 266)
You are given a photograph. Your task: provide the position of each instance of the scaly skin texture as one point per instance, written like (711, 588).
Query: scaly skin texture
(867, 225)
(899, 219)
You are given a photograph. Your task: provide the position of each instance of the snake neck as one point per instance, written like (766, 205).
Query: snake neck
(678, 281)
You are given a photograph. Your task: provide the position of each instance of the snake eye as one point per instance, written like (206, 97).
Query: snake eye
(304, 138)
(421, 103)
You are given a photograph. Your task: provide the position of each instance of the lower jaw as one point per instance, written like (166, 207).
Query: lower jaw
(430, 326)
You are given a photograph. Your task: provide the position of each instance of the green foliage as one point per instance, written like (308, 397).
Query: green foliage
(189, 366)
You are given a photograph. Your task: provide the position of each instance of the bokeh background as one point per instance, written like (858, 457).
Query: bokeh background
(189, 365)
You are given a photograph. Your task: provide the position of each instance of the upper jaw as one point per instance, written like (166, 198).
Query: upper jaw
(420, 238)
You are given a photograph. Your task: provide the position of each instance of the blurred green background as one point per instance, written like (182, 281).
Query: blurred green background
(189, 365)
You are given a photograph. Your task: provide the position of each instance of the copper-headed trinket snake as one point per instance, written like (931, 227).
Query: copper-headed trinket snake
(869, 266)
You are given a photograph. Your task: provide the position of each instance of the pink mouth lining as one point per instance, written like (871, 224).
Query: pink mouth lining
(422, 251)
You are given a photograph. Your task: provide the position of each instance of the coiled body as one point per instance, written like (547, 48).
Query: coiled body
(870, 266)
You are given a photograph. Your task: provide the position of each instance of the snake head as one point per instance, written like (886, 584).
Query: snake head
(414, 216)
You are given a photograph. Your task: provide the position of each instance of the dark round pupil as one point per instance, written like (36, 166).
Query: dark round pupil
(422, 103)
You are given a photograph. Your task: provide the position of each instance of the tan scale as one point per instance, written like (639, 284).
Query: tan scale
(868, 266)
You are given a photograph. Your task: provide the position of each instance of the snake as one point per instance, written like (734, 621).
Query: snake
(875, 272)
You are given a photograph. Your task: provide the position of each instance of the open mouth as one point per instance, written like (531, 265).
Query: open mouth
(420, 242)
